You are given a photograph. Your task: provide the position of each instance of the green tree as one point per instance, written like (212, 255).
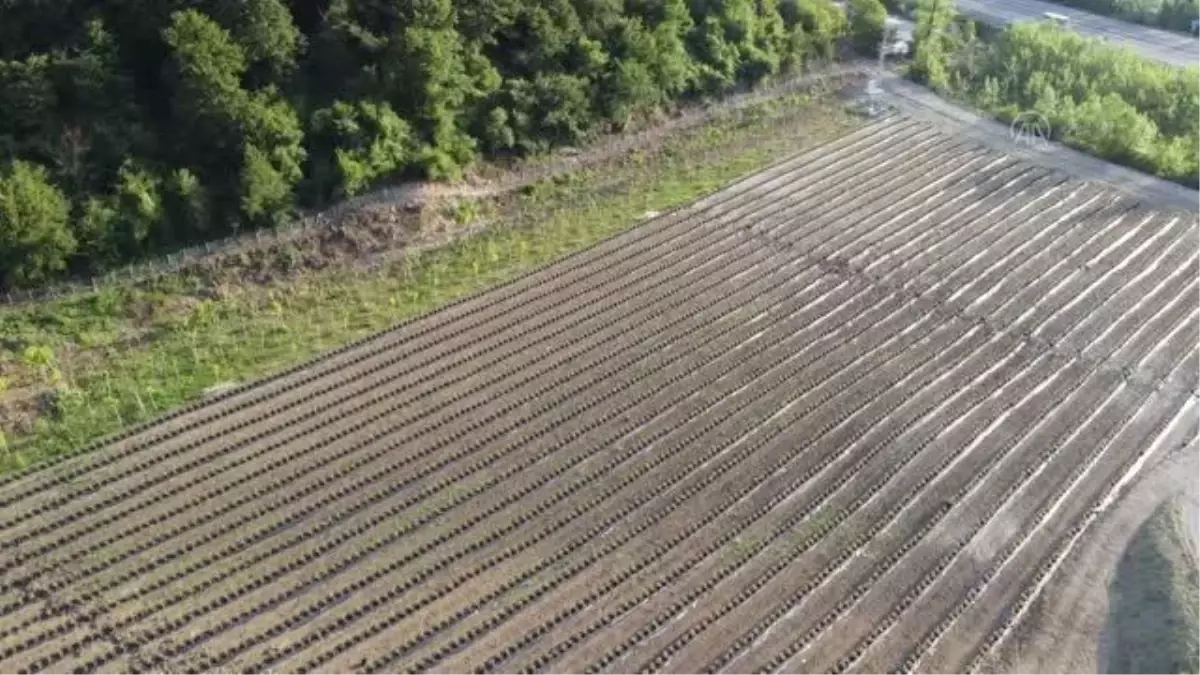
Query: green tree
(28, 102)
(163, 122)
(717, 57)
(933, 42)
(259, 130)
(1175, 159)
(271, 124)
(186, 204)
(139, 210)
(823, 24)
(40, 26)
(497, 133)
(266, 193)
(868, 19)
(1105, 100)
(741, 41)
(357, 144)
(97, 123)
(265, 31)
(434, 79)
(35, 239)
(540, 39)
(551, 110)
(430, 81)
(627, 80)
(206, 69)
(1110, 127)
(672, 65)
(481, 22)
(94, 230)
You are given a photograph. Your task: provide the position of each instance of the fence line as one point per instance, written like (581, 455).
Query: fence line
(308, 222)
(177, 260)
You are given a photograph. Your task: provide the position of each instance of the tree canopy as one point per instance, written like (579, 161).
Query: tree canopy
(1172, 14)
(868, 21)
(160, 123)
(1103, 99)
(35, 239)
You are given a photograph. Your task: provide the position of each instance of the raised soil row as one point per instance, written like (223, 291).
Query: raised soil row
(847, 414)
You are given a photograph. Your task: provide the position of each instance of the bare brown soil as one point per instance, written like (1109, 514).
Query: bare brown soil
(1067, 629)
(849, 414)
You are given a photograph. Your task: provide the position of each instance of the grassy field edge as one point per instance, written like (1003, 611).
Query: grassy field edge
(75, 372)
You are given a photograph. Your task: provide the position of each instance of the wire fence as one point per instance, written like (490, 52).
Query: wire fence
(521, 174)
(172, 263)
(139, 378)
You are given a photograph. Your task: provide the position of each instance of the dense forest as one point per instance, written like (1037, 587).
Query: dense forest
(1102, 99)
(134, 126)
(1171, 14)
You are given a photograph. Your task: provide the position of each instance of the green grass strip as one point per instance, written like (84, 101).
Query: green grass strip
(129, 353)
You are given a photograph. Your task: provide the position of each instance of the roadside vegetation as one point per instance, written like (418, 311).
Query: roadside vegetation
(77, 369)
(1098, 98)
(1154, 618)
(1170, 14)
(134, 127)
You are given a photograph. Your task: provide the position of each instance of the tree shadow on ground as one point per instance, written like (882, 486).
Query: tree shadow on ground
(1152, 621)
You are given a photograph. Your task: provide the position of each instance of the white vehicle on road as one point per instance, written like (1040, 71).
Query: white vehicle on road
(1059, 19)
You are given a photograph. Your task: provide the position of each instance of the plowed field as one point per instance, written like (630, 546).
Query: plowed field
(848, 414)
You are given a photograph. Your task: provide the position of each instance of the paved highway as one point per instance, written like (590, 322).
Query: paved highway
(1174, 48)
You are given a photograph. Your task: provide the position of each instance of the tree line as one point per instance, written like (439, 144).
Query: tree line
(1102, 99)
(134, 126)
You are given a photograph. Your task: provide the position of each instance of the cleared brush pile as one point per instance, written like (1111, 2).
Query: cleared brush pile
(847, 414)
